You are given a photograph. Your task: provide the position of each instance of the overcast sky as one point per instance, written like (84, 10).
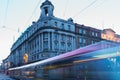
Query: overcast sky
(17, 15)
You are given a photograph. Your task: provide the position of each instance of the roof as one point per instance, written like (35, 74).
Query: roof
(109, 30)
(47, 2)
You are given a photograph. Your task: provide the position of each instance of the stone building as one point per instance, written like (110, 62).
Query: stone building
(50, 36)
(47, 37)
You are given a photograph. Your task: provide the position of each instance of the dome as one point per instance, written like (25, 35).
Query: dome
(47, 2)
(70, 20)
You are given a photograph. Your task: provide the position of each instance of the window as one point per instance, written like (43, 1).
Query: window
(56, 41)
(46, 11)
(55, 24)
(93, 41)
(62, 26)
(43, 55)
(80, 40)
(80, 31)
(37, 56)
(55, 36)
(93, 33)
(56, 46)
(69, 38)
(62, 46)
(84, 31)
(96, 34)
(69, 47)
(45, 23)
(45, 41)
(32, 58)
(84, 40)
(69, 27)
(45, 36)
(62, 37)
(45, 45)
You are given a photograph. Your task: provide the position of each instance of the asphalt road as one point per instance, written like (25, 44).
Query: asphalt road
(5, 77)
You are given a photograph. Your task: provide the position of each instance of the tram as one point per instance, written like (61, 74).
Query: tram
(94, 62)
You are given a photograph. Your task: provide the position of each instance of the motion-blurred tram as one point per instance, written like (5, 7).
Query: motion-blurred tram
(99, 61)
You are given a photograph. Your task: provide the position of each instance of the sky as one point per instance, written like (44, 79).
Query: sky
(17, 15)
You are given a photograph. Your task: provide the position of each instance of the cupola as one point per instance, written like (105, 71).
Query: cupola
(46, 9)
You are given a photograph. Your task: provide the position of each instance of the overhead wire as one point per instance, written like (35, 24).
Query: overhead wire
(102, 3)
(33, 13)
(66, 6)
(6, 12)
(5, 15)
(84, 8)
(102, 23)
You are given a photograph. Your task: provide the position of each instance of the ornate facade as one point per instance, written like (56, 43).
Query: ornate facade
(50, 36)
(47, 37)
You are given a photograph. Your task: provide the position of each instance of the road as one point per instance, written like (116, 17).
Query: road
(5, 77)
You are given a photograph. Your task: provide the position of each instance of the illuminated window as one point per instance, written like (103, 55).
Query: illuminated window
(25, 58)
